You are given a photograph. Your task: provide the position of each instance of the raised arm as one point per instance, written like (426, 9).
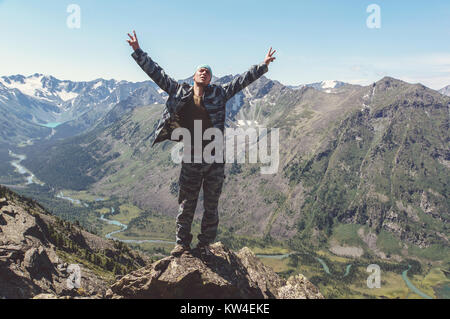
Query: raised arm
(153, 70)
(245, 79)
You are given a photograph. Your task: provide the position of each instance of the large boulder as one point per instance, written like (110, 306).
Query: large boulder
(29, 264)
(226, 275)
(27, 260)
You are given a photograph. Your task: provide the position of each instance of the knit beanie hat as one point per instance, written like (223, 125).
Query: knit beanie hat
(205, 66)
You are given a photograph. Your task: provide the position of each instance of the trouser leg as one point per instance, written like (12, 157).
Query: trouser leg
(189, 186)
(212, 188)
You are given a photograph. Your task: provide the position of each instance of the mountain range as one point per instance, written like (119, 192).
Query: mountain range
(31, 102)
(41, 106)
(328, 86)
(362, 168)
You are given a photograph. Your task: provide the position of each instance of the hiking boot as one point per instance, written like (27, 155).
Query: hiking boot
(179, 249)
(204, 252)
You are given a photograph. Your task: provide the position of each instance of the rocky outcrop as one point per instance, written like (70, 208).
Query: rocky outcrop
(226, 275)
(29, 264)
(298, 287)
(31, 268)
(40, 252)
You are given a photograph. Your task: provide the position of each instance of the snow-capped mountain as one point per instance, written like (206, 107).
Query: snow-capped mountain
(328, 86)
(40, 86)
(70, 99)
(445, 90)
(28, 103)
(296, 87)
(39, 99)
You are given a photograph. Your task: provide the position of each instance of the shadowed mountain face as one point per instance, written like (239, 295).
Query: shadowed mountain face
(374, 155)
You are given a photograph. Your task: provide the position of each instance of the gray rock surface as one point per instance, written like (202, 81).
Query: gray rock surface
(226, 275)
(29, 264)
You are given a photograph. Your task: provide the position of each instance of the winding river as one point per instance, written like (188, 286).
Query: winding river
(22, 170)
(276, 256)
(115, 223)
(326, 269)
(324, 266)
(124, 227)
(411, 286)
(32, 179)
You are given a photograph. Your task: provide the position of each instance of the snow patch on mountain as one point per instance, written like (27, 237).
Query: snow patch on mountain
(98, 84)
(445, 90)
(66, 96)
(29, 86)
(329, 84)
(40, 86)
(296, 87)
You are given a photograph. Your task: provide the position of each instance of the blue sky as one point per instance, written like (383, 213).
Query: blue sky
(315, 40)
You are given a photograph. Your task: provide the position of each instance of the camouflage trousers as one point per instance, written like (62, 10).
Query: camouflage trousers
(192, 176)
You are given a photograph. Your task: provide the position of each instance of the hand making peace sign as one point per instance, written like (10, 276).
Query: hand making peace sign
(269, 58)
(134, 41)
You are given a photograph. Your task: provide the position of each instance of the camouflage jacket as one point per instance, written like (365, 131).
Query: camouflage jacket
(214, 98)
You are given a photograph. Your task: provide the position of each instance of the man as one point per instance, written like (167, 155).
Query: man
(203, 102)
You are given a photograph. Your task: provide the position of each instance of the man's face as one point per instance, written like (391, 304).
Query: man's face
(202, 77)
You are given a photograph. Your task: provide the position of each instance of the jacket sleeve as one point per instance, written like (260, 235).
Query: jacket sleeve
(245, 79)
(155, 72)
